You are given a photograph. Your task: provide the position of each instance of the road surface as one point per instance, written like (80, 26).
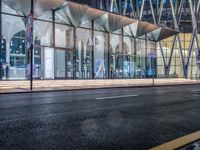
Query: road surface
(100, 119)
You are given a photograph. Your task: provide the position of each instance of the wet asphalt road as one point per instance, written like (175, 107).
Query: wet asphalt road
(105, 119)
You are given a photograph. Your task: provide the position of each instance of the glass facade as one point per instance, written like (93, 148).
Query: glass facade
(176, 56)
(75, 47)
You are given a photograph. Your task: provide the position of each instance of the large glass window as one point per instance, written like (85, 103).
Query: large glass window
(14, 54)
(101, 55)
(43, 31)
(84, 46)
(151, 59)
(128, 55)
(141, 53)
(43, 54)
(64, 36)
(116, 60)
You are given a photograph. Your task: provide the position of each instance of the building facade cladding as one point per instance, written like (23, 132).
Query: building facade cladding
(86, 50)
(177, 54)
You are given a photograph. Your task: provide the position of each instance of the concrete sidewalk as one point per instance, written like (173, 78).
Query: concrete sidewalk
(40, 85)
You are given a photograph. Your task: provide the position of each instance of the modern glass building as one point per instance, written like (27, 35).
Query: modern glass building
(99, 39)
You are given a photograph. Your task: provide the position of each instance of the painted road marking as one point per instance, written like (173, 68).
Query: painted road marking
(112, 97)
(195, 90)
(195, 95)
(177, 143)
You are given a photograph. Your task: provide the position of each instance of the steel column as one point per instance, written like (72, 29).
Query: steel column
(194, 36)
(74, 54)
(141, 10)
(53, 28)
(176, 24)
(160, 11)
(1, 50)
(178, 38)
(135, 55)
(146, 55)
(122, 55)
(171, 54)
(31, 49)
(152, 11)
(160, 44)
(109, 55)
(93, 49)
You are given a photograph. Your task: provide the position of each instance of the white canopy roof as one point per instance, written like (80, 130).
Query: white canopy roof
(78, 14)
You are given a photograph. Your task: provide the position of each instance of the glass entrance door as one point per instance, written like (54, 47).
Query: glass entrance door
(69, 65)
(63, 64)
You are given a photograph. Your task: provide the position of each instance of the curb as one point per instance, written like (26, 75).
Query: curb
(62, 90)
(179, 142)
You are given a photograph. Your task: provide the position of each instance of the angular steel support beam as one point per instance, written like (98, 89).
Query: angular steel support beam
(1, 43)
(194, 36)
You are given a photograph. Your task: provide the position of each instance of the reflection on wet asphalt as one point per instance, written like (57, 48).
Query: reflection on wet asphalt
(192, 146)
